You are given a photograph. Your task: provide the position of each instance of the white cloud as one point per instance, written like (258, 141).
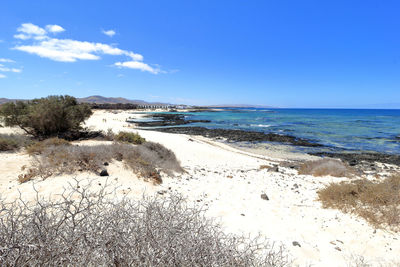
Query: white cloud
(54, 28)
(2, 76)
(22, 36)
(68, 50)
(7, 60)
(31, 29)
(109, 33)
(5, 69)
(137, 65)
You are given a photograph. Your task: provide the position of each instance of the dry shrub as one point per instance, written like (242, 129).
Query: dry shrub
(147, 160)
(10, 142)
(325, 167)
(87, 228)
(127, 137)
(157, 154)
(109, 135)
(39, 147)
(376, 202)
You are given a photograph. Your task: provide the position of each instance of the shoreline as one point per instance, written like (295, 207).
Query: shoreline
(229, 182)
(362, 159)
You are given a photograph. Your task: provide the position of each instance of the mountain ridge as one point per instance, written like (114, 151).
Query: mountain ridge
(97, 99)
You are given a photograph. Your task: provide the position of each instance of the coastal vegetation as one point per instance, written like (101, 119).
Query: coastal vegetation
(378, 202)
(325, 167)
(11, 142)
(39, 147)
(56, 156)
(87, 228)
(127, 137)
(45, 117)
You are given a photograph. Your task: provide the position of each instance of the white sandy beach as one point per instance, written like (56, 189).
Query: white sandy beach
(230, 183)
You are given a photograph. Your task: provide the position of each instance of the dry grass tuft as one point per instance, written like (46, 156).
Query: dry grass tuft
(376, 202)
(38, 147)
(325, 167)
(87, 228)
(127, 137)
(11, 142)
(147, 160)
(263, 167)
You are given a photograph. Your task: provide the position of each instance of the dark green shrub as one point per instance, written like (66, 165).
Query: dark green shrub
(132, 138)
(48, 116)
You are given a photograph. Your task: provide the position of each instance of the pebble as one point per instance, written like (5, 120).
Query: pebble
(264, 196)
(295, 243)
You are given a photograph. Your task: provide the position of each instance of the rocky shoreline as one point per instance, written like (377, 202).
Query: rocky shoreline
(177, 119)
(240, 135)
(165, 119)
(365, 160)
(354, 158)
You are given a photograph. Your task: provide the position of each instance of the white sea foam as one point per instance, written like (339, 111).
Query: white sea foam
(261, 125)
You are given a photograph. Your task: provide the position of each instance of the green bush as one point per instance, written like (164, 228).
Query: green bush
(44, 117)
(132, 138)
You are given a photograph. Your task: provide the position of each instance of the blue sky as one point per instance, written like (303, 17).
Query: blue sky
(279, 53)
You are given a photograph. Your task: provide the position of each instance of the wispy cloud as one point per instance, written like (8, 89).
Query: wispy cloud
(6, 60)
(5, 69)
(109, 33)
(137, 65)
(68, 50)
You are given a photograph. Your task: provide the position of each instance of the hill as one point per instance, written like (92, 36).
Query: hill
(101, 100)
(5, 100)
(115, 100)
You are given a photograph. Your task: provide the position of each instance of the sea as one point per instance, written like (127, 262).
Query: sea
(360, 130)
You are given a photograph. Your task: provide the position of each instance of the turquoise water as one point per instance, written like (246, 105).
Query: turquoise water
(349, 129)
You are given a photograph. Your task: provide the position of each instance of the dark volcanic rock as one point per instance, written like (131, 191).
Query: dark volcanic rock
(166, 119)
(240, 135)
(354, 159)
(104, 173)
